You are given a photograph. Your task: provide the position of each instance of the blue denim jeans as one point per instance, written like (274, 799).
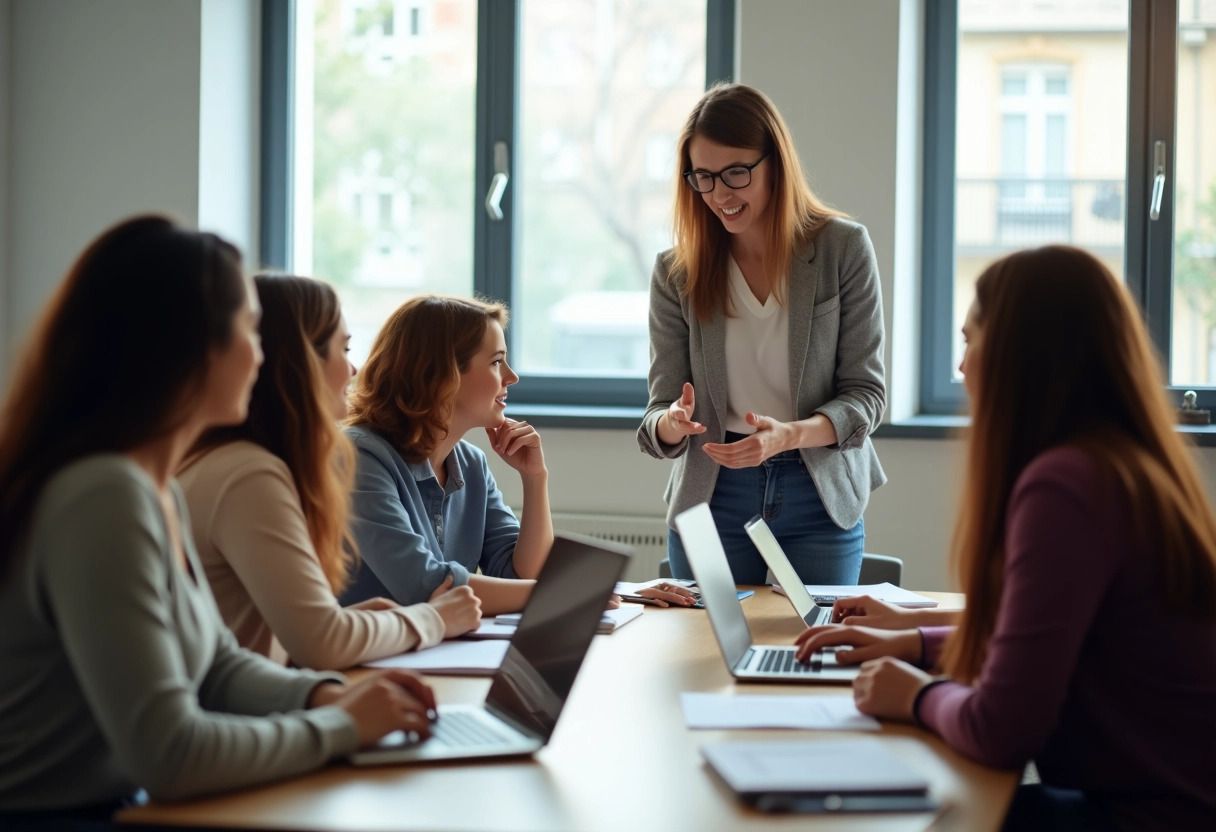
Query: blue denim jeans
(782, 492)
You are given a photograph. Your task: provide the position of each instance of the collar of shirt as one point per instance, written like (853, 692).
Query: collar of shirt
(422, 471)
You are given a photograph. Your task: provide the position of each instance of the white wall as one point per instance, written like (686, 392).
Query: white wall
(108, 114)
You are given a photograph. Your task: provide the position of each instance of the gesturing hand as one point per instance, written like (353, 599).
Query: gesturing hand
(677, 421)
(518, 444)
(771, 437)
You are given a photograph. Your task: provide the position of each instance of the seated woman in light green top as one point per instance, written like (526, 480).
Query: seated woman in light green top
(116, 671)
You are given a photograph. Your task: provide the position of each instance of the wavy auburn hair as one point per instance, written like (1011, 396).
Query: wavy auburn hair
(407, 387)
(118, 358)
(735, 115)
(1064, 359)
(290, 414)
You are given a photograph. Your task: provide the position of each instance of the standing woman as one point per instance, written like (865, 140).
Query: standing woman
(766, 340)
(116, 671)
(269, 503)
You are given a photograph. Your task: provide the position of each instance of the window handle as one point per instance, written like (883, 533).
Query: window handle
(498, 184)
(1154, 207)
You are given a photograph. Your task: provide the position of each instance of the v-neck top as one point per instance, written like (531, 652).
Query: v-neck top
(757, 356)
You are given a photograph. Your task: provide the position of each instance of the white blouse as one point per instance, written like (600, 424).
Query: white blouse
(757, 357)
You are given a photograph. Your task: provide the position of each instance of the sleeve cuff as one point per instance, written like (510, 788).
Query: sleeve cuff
(308, 683)
(649, 441)
(851, 429)
(426, 622)
(339, 734)
(920, 697)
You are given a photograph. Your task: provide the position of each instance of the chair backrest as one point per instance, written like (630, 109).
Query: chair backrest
(877, 569)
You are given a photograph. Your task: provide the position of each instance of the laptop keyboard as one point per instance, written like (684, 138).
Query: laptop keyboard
(461, 729)
(783, 661)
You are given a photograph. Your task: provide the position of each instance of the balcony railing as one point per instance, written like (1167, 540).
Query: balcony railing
(1011, 213)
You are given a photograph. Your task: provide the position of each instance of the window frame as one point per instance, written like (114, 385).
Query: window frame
(559, 397)
(1148, 245)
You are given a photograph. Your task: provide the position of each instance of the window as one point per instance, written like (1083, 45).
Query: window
(387, 120)
(1041, 122)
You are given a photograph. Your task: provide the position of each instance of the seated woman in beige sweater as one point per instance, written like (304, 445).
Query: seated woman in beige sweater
(268, 500)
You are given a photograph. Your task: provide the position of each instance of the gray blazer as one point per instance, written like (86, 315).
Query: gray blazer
(836, 340)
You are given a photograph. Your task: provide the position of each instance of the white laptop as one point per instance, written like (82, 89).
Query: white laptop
(810, 612)
(745, 660)
(538, 671)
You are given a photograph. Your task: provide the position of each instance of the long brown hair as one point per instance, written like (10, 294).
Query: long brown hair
(290, 414)
(735, 115)
(117, 358)
(1064, 359)
(407, 386)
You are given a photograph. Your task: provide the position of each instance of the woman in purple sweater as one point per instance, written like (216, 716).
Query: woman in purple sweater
(1087, 549)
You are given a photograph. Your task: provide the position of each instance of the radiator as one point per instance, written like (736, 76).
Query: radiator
(646, 535)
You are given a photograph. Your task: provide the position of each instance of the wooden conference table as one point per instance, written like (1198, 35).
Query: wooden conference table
(620, 759)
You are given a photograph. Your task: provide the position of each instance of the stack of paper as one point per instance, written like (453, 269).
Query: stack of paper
(724, 711)
(504, 625)
(827, 594)
(451, 658)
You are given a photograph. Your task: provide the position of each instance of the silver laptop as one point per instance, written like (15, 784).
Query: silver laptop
(810, 612)
(745, 660)
(530, 688)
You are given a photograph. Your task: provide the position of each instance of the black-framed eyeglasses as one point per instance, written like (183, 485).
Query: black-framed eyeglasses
(735, 176)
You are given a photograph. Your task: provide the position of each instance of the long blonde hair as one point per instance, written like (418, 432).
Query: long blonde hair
(1064, 359)
(735, 115)
(290, 414)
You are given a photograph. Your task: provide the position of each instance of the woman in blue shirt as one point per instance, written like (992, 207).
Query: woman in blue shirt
(426, 510)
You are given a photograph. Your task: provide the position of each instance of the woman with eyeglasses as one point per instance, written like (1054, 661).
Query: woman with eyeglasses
(766, 339)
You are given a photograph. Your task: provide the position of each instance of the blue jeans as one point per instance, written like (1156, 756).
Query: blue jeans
(782, 492)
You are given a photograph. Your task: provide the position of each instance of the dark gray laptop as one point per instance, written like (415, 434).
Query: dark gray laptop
(745, 660)
(530, 688)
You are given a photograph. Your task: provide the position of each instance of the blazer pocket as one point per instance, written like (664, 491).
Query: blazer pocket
(827, 307)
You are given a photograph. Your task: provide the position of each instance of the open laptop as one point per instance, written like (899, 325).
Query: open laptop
(745, 660)
(810, 612)
(530, 688)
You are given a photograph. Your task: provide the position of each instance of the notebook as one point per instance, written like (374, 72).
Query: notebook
(542, 659)
(850, 775)
(745, 660)
(611, 621)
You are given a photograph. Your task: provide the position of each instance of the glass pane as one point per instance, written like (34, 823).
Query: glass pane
(1041, 137)
(1193, 330)
(606, 87)
(384, 152)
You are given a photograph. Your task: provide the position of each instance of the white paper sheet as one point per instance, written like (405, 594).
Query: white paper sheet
(888, 592)
(726, 711)
(455, 658)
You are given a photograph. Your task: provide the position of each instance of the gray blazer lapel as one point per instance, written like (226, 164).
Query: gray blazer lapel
(713, 352)
(804, 280)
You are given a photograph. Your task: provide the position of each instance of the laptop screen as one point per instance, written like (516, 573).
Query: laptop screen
(703, 546)
(555, 631)
(780, 565)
